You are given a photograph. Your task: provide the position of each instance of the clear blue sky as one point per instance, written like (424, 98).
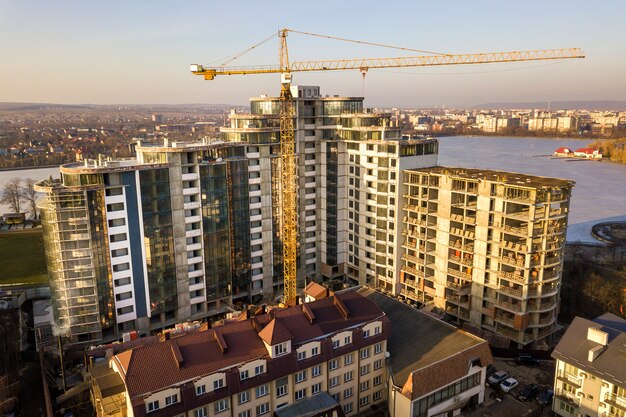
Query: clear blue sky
(139, 51)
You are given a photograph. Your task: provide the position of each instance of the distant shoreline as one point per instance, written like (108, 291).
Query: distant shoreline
(26, 168)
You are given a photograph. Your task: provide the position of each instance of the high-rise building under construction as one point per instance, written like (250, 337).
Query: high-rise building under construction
(191, 230)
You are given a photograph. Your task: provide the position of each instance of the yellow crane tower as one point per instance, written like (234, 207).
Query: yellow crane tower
(287, 143)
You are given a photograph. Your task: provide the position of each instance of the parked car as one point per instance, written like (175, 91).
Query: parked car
(527, 360)
(497, 377)
(545, 398)
(529, 392)
(508, 384)
(491, 370)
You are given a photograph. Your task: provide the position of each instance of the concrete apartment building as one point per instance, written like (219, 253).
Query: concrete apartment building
(191, 230)
(590, 378)
(336, 349)
(486, 247)
(553, 124)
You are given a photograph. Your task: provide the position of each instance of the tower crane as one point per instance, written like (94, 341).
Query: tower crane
(286, 110)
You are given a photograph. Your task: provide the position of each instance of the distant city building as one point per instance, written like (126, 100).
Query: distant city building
(553, 124)
(486, 247)
(590, 375)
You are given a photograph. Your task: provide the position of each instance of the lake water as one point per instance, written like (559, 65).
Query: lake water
(600, 190)
(599, 194)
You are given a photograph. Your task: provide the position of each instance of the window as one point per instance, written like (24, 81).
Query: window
(364, 401)
(347, 376)
(316, 388)
(281, 391)
(317, 370)
(348, 392)
(378, 395)
(334, 381)
(378, 380)
(366, 333)
(300, 376)
(244, 414)
(200, 389)
(365, 369)
(378, 364)
(244, 397)
(221, 405)
(243, 375)
(218, 384)
(315, 351)
(569, 409)
(262, 390)
(152, 406)
(302, 355)
(262, 409)
(335, 344)
(172, 399)
(347, 340)
(259, 369)
(365, 385)
(280, 349)
(300, 394)
(201, 412)
(347, 360)
(336, 397)
(333, 364)
(377, 330)
(365, 353)
(378, 347)
(347, 408)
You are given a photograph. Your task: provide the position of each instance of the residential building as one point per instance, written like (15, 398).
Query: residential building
(555, 124)
(350, 162)
(331, 357)
(434, 368)
(253, 366)
(189, 230)
(147, 243)
(590, 378)
(589, 153)
(486, 247)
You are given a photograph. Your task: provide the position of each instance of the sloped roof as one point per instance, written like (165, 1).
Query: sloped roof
(315, 290)
(586, 150)
(574, 346)
(151, 368)
(275, 333)
(563, 150)
(426, 353)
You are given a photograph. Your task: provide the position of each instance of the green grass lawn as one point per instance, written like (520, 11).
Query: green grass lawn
(22, 258)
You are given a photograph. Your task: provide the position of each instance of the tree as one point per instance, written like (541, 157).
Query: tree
(12, 194)
(29, 195)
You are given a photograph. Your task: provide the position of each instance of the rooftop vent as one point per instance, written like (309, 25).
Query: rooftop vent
(598, 336)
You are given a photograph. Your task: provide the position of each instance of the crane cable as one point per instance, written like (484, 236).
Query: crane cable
(366, 43)
(245, 51)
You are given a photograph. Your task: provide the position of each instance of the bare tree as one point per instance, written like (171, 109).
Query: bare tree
(12, 194)
(29, 195)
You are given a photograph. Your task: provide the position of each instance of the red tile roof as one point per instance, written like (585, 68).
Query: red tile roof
(586, 150)
(152, 368)
(563, 150)
(316, 291)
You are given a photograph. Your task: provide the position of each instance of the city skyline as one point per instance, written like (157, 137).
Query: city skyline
(139, 53)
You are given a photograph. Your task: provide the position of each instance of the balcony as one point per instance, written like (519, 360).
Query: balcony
(615, 401)
(191, 205)
(459, 260)
(567, 397)
(510, 276)
(459, 274)
(504, 320)
(191, 190)
(512, 291)
(411, 258)
(571, 379)
(510, 306)
(461, 289)
(189, 176)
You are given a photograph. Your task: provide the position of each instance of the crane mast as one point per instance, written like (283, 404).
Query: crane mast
(288, 171)
(288, 167)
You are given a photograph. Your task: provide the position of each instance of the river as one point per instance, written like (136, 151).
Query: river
(600, 191)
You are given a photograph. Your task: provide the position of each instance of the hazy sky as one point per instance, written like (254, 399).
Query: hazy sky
(139, 51)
